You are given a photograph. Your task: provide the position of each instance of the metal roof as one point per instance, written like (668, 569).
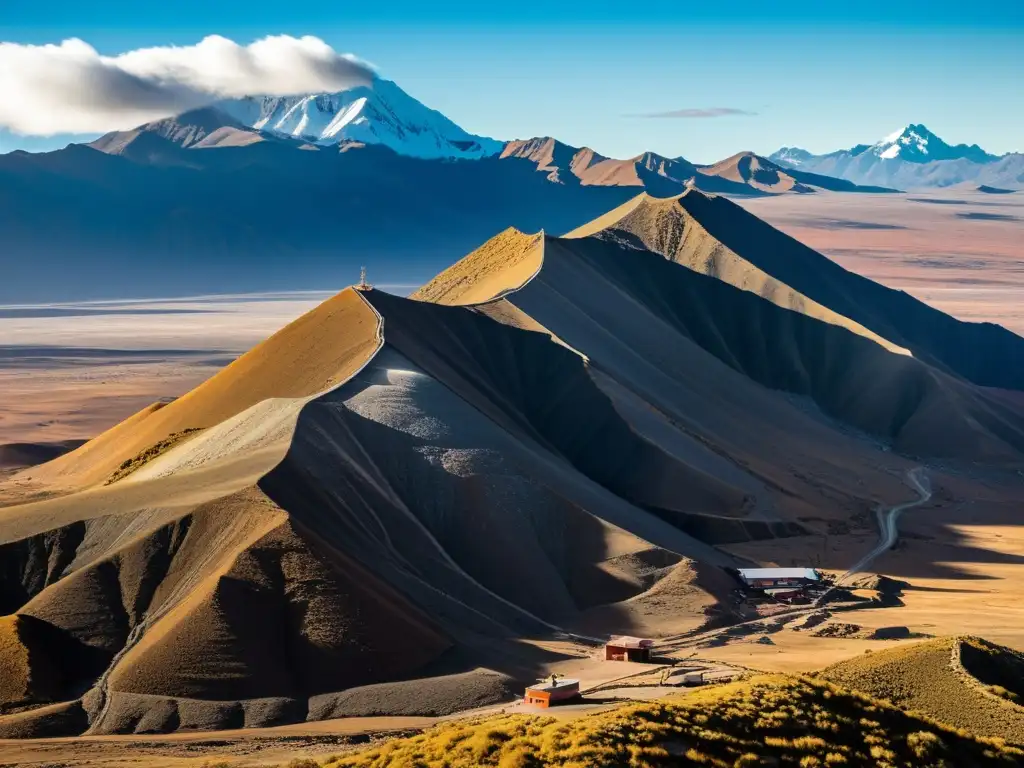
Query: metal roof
(545, 685)
(779, 573)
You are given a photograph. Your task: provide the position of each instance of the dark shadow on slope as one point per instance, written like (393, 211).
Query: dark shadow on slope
(27, 566)
(981, 352)
(505, 529)
(541, 391)
(849, 376)
(729, 530)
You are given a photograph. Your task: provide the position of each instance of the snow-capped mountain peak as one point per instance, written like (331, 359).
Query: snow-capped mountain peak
(908, 143)
(790, 156)
(379, 113)
(916, 144)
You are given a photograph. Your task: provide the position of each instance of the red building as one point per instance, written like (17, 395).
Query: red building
(628, 649)
(547, 693)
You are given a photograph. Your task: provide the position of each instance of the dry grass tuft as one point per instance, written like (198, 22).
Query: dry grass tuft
(964, 681)
(769, 720)
(14, 663)
(140, 460)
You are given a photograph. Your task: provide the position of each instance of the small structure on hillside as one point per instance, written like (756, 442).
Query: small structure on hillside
(692, 678)
(778, 578)
(552, 691)
(783, 585)
(628, 649)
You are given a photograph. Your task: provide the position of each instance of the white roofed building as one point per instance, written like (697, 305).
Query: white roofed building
(769, 578)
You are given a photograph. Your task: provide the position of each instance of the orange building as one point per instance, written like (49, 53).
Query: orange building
(547, 693)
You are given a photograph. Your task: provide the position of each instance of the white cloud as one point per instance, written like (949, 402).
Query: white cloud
(71, 88)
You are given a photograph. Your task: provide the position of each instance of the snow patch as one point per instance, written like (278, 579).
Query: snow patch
(893, 137)
(344, 117)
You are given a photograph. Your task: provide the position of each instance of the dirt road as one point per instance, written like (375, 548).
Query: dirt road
(888, 533)
(887, 520)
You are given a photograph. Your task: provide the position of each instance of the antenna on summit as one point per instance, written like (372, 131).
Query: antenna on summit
(363, 285)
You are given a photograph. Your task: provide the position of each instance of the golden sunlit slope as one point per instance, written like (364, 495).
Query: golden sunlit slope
(26, 669)
(768, 720)
(664, 227)
(317, 351)
(964, 681)
(502, 264)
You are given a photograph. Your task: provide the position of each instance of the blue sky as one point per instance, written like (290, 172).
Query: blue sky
(818, 75)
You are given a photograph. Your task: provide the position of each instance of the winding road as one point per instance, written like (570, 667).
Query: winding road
(887, 519)
(888, 534)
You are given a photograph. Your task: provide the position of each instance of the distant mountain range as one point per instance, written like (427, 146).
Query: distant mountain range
(744, 174)
(299, 192)
(384, 115)
(911, 158)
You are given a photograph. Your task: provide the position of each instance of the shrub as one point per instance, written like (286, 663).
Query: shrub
(740, 726)
(1003, 693)
(747, 760)
(925, 744)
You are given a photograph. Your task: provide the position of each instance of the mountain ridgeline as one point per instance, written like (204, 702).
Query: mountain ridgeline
(912, 158)
(556, 435)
